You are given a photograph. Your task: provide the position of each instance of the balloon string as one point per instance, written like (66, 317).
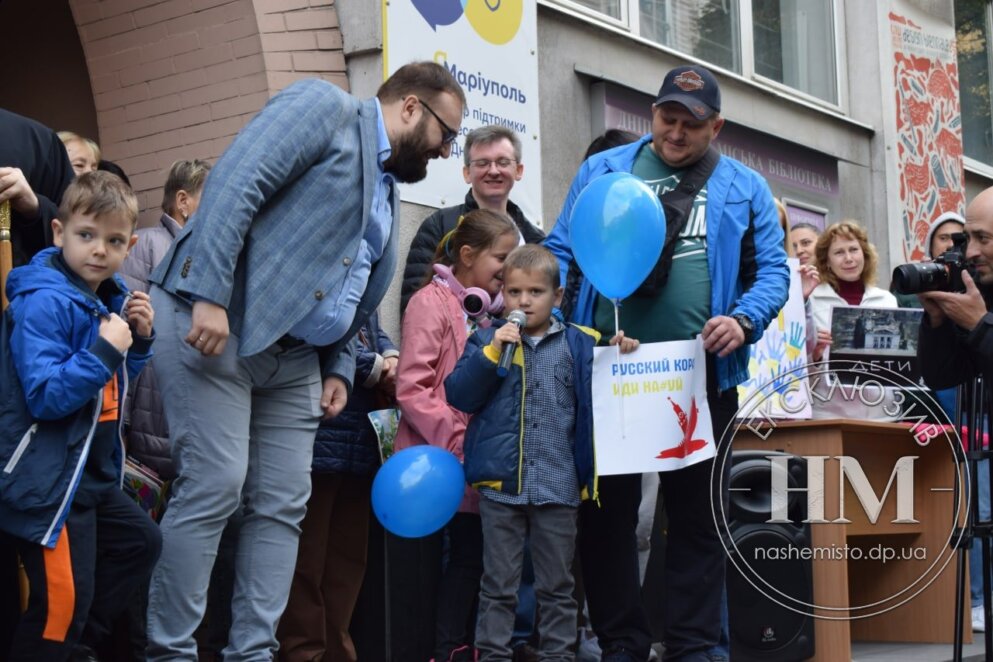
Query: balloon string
(620, 378)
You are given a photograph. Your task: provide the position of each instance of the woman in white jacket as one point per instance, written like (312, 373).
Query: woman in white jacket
(847, 265)
(846, 262)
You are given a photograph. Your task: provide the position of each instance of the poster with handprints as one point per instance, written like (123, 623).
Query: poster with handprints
(650, 410)
(777, 385)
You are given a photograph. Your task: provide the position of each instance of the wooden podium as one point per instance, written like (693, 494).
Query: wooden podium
(928, 616)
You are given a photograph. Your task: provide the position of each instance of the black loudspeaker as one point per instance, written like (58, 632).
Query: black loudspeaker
(778, 554)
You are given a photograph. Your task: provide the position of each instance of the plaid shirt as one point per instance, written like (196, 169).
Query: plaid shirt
(548, 462)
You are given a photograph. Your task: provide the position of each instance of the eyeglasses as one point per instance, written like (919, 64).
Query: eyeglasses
(484, 164)
(448, 134)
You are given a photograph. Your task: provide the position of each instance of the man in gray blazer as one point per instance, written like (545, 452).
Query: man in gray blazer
(258, 302)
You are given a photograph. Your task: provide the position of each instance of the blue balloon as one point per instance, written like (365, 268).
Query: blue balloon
(417, 491)
(617, 230)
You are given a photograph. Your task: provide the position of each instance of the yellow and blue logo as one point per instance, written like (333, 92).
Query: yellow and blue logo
(496, 21)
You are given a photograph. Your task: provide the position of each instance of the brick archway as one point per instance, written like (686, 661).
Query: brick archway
(176, 79)
(46, 77)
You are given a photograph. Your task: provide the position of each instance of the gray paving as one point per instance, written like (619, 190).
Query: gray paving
(897, 652)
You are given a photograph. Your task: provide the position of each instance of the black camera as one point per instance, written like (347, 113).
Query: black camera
(943, 274)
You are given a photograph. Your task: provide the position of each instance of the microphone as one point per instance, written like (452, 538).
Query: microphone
(519, 318)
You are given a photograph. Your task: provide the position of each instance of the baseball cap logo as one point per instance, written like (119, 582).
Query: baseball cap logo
(689, 81)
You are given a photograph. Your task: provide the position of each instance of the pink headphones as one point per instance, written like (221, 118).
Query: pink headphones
(475, 301)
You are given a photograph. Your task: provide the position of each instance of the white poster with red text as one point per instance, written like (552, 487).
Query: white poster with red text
(650, 410)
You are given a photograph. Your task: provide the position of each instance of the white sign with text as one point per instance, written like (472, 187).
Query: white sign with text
(650, 410)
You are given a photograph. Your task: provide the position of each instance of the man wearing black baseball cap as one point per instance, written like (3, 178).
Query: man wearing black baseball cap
(722, 275)
(686, 116)
(695, 88)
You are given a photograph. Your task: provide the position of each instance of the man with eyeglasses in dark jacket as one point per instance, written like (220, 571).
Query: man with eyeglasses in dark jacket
(492, 166)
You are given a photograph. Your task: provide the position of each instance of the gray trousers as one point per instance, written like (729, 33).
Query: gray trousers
(552, 530)
(243, 434)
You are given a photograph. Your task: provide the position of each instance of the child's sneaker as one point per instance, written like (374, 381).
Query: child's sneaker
(978, 619)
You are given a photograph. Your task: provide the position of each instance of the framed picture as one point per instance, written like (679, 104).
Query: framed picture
(876, 340)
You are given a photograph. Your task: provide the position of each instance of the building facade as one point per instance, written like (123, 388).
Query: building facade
(877, 111)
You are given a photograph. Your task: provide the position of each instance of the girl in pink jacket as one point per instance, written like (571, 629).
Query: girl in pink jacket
(461, 295)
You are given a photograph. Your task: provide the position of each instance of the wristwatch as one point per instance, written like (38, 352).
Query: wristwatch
(746, 325)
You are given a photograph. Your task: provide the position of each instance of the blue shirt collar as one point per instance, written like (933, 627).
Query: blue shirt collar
(383, 148)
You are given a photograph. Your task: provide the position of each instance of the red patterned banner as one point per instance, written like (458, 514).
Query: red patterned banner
(929, 128)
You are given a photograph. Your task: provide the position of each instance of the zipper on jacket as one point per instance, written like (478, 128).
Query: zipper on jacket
(22, 446)
(520, 441)
(63, 510)
(120, 418)
(595, 497)
(123, 399)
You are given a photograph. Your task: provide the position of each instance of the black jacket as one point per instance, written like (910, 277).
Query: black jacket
(347, 443)
(950, 355)
(436, 226)
(38, 152)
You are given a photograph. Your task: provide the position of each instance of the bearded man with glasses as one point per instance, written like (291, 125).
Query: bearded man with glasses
(260, 303)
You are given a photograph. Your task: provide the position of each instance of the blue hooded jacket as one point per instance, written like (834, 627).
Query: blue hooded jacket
(62, 366)
(745, 254)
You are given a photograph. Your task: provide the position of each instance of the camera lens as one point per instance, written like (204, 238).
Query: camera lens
(920, 277)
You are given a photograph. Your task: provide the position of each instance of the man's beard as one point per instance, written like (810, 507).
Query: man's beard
(985, 289)
(409, 160)
(983, 280)
(984, 283)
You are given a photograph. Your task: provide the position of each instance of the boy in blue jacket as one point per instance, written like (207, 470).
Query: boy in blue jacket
(86, 547)
(529, 450)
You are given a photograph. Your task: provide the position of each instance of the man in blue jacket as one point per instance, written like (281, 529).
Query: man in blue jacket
(723, 276)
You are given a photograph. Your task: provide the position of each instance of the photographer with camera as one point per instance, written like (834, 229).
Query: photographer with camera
(938, 242)
(956, 339)
(942, 271)
(955, 327)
